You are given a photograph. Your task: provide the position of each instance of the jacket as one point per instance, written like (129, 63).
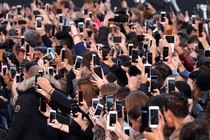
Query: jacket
(188, 62)
(27, 120)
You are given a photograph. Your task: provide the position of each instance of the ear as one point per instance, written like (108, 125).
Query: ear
(169, 115)
(196, 95)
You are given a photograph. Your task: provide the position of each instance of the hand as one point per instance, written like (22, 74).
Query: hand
(78, 72)
(54, 124)
(77, 119)
(44, 84)
(109, 15)
(3, 99)
(97, 81)
(133, 82)
(202, 38)
(44, 93)
(84, 107)
(47, 113)
(118, 131)
(156, 92)
(144, 77)
(173, 63)
(74, 31)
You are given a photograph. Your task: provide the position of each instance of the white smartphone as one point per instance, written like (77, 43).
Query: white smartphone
(52, 116)
(147, 69)
(38, 23)
(126, 130)
(163, 15)
(87, 23)
(153, 116)
(60, 19)
(193, 20)
(94, 59)
(111, 119)
(4, 70)
(50, 71)
(17, 77)
(170, 84)
(95, 102)
(130, 47)
(63, 54)
(171, 41)
(50, 50)
(49, 57)
(78, 62)
(99, 109)
(81, 27)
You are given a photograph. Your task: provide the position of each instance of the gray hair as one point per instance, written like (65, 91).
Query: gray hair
(33, 38)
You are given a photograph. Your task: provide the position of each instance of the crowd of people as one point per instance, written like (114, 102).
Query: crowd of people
(102, 73)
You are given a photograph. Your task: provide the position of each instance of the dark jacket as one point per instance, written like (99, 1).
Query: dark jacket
(27, 121)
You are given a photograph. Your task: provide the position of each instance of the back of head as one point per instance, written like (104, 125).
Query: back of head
(176, 103)
(33, 38)
(203, 82)
(196, 130)
(164, 69)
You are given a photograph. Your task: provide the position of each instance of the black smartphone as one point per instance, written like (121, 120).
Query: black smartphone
(80, 98)
(58, 49)
(27, 49)
(88, 43)
(207, 53)
(19, 7)
(130, 47)
(22, 42)
(50, 71)
(105, 52)
(52, 115)
(135, 55)
(36, 85)
(17, 78)
(200, 29)
(144, 118)
(170, 38)
(99, 109)
(63, 54)
(147, 27)
(153, 83)
(109, 101)
(145, 47)
(119, 109)
(165, 53)
(78, 62)
(13, 70)
(42, 104)
(4, 70)
(193, 19)
(74, 108)
(147, 69)
(41, 72)
(60, 19)
(117, 39)
(59, 11)
(97, 70)
(140, 38)
(163, 15)
(94, 59)
(149, 57)
(126, 130)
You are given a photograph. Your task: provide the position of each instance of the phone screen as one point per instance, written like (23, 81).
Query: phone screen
(200, 29)
(42, 104)
(154, 116)
(99, 109)
(49, 58)
(170, 39)
(51, 71)
(165, 52)
(27, 49)
(145, 45)
(148, 71)
(95, 103)
(17, 78)
(154, 83)
(39, 23)
(74, 108)
(94, 59)
(109, 101)
(78, 63)
(163, 14)
(63, 55)
(149, 57)
(22, 41)
(135, 54)
(171, 85)
(87, 23)
(144, 118)
(127, 132)
(52, 116)
(80, 98)
(130, 47)
(119, 109)
(60, 19)
(207, 53)
(112, 119)
(36, 85)
(80, 26)
(117, 39)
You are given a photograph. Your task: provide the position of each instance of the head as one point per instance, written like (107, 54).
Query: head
(33, 38)
(175, 107)
(89, 90)
(164, 69)
(135, 98)
(134, 116)
(31, 69)
(196, 130)
(18, 52)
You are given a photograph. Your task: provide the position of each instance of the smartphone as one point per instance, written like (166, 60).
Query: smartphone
(111, 119)
(41, 72)
(90, 14)
(80, 98)
(50, 50)
(48, 57)
(163, 15)
(119, 108)
(9, 16)
(147, 69)
(144, 118)
(22, 41)
(59, 11)
(60, 19)
(36, 85)
(63, 54)
(170, 84)
(94, 59)
(147, 27)
(95, 102)
(52, 116)
(126, 130)
(99, 109)
(38, 23)
(153, 116)
(19, 7)
(193, 20)
(116, 39)
(149, 57)
(200, 29)
(145, 46)
(171, 40)
(58, 49)
(153, 83)
(207, 53)
(78, 62)
(109, 101)
(135, 55)
(81, 27)
(165, 53)
(4, 70)
(27, 49)
(17, 78)
(51, 71)
(13, 70)
(87, 23)
(74, 108)
(130, 47)
(42, 104)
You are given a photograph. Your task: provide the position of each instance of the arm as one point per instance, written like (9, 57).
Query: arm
(47, 42)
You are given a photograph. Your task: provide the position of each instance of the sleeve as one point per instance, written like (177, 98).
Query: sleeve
(47, 42)
(131, 35)
(188, 62)
(79, 48)
(88, 133)
(102, 36)
(185, 73)
(21, 119)
(61, 99)
(62, 119)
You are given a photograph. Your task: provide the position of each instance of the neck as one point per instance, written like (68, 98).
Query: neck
(178, 122)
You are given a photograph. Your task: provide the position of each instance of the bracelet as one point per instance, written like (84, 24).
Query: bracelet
(49, 92)
(75, 35)
(61, 126)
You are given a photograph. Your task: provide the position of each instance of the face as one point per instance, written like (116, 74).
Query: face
(134, 123)
(168, 117)
(190, 83)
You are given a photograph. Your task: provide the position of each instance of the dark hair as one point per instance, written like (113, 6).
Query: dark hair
(155, 101)
(176, 103)
(33, 38)
(133, 71)
(122, 93)
(193, 75)
(87, 57)
(164, 69)
(28, 65)
(195, 130)
(192, 39)
(65, 3)
(17, 49)
(135, 112)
